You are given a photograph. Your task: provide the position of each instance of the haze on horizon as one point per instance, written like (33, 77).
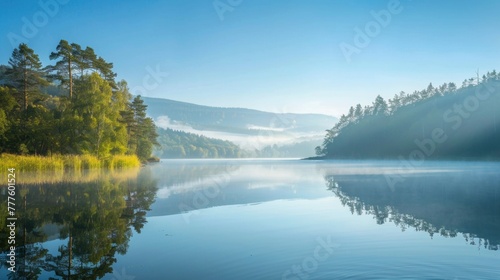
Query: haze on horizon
(279, 56)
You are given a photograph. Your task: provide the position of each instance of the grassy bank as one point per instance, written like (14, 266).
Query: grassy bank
(65, 162)
(76, 176)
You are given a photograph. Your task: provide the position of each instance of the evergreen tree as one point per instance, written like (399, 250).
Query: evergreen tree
(63, 69)
(358, 112)
(394, 103)
(350, 116)
(106, 71)
(452, 87)
(380, 107)
(145, 135)
(84, 59)
(127, 118)
(25, 73)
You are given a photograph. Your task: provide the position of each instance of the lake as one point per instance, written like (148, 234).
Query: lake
(260, 219)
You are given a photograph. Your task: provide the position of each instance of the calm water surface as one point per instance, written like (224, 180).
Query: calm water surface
(261, 219)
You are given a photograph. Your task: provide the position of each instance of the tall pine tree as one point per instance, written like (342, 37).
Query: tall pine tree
(64, 68)
(25, 74)
(145, 134)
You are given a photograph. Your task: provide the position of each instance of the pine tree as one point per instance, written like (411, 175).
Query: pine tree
(106, 71)
(380, 107)
(65, 66)
(146, 135)
(394, 103)
(84, 59)
(25, 73)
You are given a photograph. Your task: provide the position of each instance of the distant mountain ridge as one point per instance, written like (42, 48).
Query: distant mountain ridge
(235, 120)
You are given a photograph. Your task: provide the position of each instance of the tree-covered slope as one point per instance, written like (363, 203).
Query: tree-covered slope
(180, 144)
(434, 123)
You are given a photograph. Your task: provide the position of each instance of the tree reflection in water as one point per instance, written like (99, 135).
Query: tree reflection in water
(95, 219)
(447, 204)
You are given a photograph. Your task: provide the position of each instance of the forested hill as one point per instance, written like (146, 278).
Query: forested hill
(235, 120)
(91, 114)
(180, 144)
(435, 123)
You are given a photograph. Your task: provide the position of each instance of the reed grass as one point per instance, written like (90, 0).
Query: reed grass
(77, 176)
(61, 163)
(121, 161)
(89, 162)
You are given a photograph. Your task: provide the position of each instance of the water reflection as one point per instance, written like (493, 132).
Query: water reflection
(93, 215)
(195, 185)
(445, 198)
(77, 226)
(461, 200)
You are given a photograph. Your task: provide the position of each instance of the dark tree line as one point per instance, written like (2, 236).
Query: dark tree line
(180, 144)
(446, 205)
(436, 122)
(74, 106)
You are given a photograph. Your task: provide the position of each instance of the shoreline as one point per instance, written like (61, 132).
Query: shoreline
(55, 163)
(463, 159)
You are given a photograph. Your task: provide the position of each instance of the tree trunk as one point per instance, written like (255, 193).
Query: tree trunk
(70, 79)
(25, 89)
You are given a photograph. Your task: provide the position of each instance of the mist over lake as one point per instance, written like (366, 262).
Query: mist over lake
(268, 219)
(232, 139)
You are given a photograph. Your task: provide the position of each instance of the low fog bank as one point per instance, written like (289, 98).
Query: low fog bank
(269, 141)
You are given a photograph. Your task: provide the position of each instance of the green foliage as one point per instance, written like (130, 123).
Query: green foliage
(96, 118)
(4, 123)
(179, 144)
(142, 129)
(63, 69)
(7, 100)
(99, 118)
(25, 74)
(467, 120)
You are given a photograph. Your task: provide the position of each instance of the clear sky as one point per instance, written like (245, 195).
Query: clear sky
(280, 56)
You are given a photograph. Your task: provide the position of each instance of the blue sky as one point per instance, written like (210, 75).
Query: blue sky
(280, 56)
